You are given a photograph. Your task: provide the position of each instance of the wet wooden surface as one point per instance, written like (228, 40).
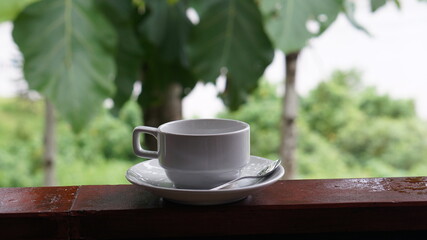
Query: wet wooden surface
(372, 207)
(35, 213)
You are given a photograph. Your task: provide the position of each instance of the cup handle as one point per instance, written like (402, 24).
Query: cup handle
(137, 149)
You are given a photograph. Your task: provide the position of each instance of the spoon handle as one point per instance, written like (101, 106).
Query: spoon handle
(266, 171)
(231, 182)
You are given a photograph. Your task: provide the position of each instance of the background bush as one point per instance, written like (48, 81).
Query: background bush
(100, 154)
(345, 129)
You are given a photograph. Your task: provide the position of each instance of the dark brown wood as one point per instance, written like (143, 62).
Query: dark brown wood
(35, 213)
(365, 208)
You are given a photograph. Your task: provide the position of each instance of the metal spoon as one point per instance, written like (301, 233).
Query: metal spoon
(266, 171)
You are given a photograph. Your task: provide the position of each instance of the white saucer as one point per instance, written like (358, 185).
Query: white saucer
(152, 177)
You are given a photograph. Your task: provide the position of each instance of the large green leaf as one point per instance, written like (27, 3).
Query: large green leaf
(10, 8)
(68, 49)
(166, 27)
(287, 20)
(230, 36)
(124, 16)
(164, 34)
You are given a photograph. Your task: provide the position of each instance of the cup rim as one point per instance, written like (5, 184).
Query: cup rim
(245, 128)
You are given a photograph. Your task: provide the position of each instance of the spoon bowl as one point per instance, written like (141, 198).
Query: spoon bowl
(264, 172)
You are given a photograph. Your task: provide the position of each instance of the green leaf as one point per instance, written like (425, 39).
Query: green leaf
(349, 8)
(9, 9)
(68, 49)
(124, 17)
(200, 6)
(166, 28)
(164, 34)
(230, 36)
(376, 4)
(398, 5)
(287, 20)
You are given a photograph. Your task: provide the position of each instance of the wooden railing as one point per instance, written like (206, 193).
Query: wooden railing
(391, 208)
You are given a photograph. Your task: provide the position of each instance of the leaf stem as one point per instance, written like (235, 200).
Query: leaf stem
(68, 32)
(228, 32)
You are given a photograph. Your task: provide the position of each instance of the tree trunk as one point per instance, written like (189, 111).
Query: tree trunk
(49, 145)
(169, 109)
(289, 114)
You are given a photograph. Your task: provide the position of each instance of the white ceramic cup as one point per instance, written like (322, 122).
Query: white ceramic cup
(198, 153)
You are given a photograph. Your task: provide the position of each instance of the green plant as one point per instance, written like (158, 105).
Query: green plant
(99, 155)
(345, 130)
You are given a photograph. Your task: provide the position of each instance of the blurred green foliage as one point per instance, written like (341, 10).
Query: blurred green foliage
(345, 129)
(99, 155)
